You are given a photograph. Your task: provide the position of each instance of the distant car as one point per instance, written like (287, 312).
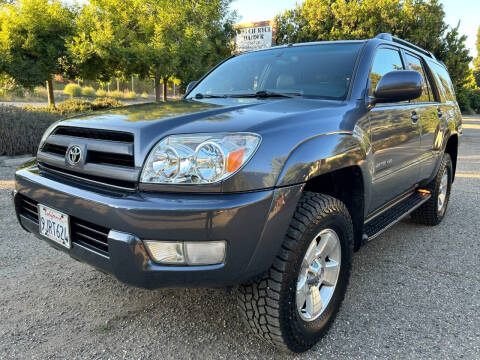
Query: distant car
(271, 171)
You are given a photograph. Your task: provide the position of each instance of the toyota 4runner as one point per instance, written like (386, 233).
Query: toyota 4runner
(271, 171)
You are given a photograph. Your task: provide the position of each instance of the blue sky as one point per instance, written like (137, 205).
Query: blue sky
(468, 11)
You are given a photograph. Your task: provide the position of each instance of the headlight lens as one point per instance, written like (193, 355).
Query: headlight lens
(198, 158)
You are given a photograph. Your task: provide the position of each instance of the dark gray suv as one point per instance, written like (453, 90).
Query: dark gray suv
(275, 167)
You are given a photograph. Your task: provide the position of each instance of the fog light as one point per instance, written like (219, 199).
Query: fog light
(166, 252)
(188, 253)
(205, 253)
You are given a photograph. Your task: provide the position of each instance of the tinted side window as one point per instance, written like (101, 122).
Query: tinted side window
(415, 63)
(386, 60)
(445, 86)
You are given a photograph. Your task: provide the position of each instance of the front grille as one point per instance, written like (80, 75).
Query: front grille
(113, 150)
(91, 236)
(94, 134)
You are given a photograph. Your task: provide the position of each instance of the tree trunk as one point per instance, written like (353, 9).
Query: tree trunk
(51, 99)
(118, 84)
(157, 88)
(165, 89)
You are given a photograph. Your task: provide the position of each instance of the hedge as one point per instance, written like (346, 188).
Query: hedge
(21, 129)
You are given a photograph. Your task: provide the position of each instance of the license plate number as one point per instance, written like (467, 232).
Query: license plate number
(54, 225)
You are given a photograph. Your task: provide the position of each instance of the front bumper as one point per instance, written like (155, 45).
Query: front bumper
(253, 224)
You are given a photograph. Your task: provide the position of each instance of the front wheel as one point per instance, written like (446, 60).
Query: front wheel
(295, 302)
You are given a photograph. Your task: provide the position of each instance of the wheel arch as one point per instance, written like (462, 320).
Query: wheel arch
(451, 148)
(336, 165)
(347, 185)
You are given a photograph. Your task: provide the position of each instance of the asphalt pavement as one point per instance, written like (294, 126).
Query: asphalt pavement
(414, 294)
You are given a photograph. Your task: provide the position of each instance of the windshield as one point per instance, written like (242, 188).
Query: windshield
(320, 71)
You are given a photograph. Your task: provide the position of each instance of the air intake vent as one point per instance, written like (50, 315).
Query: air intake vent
(91, 236)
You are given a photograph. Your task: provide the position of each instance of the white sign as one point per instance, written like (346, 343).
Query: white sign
(253, 38)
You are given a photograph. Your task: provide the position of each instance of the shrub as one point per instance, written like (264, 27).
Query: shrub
(144, 95)
(131, 95)
(73, 106)
(105, 103)
(474, 97)
(115, 94)
(40, 92)
(73, 90)
(469, 100)
(88, 91)
(21, 129)
(101, 93)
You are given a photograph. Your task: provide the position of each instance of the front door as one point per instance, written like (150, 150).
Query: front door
(395, 137)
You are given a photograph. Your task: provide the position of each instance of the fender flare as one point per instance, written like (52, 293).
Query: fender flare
(327, 153)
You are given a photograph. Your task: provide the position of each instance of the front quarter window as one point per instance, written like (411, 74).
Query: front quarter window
(319, 71)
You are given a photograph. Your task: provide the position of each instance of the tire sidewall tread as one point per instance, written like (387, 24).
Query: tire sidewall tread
(282, 325)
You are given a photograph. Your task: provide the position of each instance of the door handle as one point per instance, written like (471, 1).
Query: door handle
(414, 117)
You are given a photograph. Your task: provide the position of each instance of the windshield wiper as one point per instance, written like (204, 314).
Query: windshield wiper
(208, 96)
(263, 94)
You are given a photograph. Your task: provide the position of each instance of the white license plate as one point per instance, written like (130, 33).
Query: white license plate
(54, 225)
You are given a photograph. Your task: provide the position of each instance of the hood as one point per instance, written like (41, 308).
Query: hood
(151, 122)
(284, 124)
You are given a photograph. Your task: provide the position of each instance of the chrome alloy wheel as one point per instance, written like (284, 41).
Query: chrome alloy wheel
(319, 274)
(442, 191)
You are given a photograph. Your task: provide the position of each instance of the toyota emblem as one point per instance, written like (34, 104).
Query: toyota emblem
(74, 155)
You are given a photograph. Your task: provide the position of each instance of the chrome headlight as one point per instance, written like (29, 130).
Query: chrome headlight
(198, 158)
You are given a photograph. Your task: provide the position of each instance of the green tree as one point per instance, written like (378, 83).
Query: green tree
(159, 39)
(33, 38)
(476, 61)
(188, 37)
(106, 44)
(419, 21)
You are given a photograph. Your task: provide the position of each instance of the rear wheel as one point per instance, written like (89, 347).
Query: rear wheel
(295, 302)
(433, 211)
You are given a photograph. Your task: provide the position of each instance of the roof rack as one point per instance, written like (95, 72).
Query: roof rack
(390, 37)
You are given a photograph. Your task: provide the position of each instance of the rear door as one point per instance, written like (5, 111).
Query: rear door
(447, 107)
(395, 136)
(428, 110)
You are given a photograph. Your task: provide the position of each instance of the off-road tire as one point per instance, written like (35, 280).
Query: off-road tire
(428, 213)
(268, 304)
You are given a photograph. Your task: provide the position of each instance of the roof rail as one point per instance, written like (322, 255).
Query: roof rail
(390, 37)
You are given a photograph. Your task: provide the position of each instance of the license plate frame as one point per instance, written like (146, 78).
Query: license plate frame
(54, 225)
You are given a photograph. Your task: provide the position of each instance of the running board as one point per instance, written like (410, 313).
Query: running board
(397, 212)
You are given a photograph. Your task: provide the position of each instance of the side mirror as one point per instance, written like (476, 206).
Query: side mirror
(398, 85)
(191, 86)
